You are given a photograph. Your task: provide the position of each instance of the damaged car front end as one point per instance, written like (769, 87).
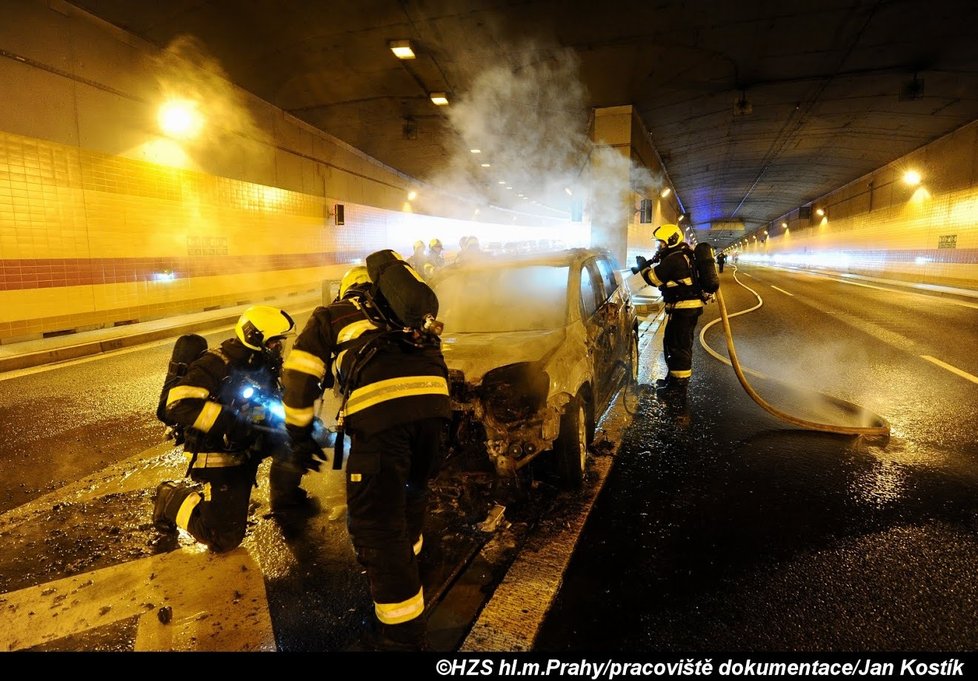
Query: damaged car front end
(521, 361)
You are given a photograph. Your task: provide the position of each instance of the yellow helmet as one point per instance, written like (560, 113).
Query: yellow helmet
(435, 244)
(355, 276)
(670, 235)
(262, 324)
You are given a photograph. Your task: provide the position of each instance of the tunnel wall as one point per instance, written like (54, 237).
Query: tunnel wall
(879, 226)
(103, 221)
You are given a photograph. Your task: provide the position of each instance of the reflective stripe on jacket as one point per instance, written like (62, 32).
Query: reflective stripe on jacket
(390, 382)
(675, 277)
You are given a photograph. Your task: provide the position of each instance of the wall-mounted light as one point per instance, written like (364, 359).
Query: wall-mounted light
(180, 118)
(475, 151)
(681, 218)
(412, 195)
(486, 165)
(665, 192)
(439, 98)
(784, 225)
(912, 178)
(820, 212)
(402, 49)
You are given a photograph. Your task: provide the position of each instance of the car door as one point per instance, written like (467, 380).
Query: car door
(614, 310)
(601, 338)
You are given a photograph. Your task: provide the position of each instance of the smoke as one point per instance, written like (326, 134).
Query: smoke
(229, 134)
(530, 121)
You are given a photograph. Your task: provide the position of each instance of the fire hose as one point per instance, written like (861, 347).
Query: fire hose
(880, 430)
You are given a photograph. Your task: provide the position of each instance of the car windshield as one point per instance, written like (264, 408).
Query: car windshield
(502, 299)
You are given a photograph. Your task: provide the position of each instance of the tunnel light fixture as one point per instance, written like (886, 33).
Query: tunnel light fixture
(681, 218)
(439, 98)
(412, 195)
(402, 49)
(475, 151)
(820, 212)
(784, 225)
(665, 192)
(912, 178)
(180, 118)
(486, 165)
(568, 191)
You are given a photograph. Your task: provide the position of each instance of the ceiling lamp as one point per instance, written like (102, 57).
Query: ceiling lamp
(439, 98)
(402, 49)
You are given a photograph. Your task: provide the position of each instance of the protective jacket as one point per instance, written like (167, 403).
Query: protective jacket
(388, 380)
(674, 273)
(210, 400)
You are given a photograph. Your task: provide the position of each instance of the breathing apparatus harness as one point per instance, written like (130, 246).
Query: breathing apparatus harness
(369, 300)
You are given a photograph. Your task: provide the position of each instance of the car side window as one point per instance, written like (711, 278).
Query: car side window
(607, 277)
(589, 296)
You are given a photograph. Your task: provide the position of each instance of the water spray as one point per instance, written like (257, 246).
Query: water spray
(880, 430)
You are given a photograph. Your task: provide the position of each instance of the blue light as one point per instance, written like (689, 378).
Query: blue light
(247, 392)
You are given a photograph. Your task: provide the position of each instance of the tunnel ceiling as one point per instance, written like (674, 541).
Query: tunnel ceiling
(756, 108)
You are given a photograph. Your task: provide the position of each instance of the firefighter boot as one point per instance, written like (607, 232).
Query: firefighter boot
(671, 385)
(170, 497)
(286, 497)
(409, 636)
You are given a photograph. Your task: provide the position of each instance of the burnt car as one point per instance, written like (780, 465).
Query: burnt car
(537, 348)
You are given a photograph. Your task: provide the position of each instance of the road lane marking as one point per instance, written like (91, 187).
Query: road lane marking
(916, 292)
(782, 291)
(218, 604)
(952, 369)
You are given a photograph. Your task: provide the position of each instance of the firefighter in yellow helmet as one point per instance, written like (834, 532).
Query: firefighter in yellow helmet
(229, 401)
(436, 254)
(396, 407)
(419, 258)
(672, 270)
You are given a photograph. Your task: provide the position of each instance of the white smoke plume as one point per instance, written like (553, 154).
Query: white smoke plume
(530, 120)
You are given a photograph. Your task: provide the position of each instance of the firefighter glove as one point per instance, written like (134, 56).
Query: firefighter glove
(307, 454)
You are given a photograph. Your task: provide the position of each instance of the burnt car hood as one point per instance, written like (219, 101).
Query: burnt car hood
(474, 354)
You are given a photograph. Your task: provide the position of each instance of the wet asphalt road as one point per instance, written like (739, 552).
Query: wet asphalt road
(719, 527)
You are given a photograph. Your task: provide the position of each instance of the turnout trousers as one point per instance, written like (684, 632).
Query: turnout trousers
(677, 341)
(387, 476)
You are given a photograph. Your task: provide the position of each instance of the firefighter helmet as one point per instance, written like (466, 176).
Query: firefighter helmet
(262, 324)
(670, 235)
(435, 244)
(355, 276)
(418, 246)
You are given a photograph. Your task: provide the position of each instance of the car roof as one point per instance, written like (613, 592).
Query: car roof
(568, 257)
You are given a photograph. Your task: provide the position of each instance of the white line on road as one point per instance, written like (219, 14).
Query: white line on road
(952, 369)
(782, 291)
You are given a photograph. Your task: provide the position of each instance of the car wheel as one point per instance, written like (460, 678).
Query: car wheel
(571, 445)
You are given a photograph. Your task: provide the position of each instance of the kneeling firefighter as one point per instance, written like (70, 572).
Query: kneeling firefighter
(226, 402)
(686, 278)
(380, 339)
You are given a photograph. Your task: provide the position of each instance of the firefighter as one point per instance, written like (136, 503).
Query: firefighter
(419, 259)
(721, 261)
(396, 410)
(436, 254)
(226, 401)
(673, 271)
